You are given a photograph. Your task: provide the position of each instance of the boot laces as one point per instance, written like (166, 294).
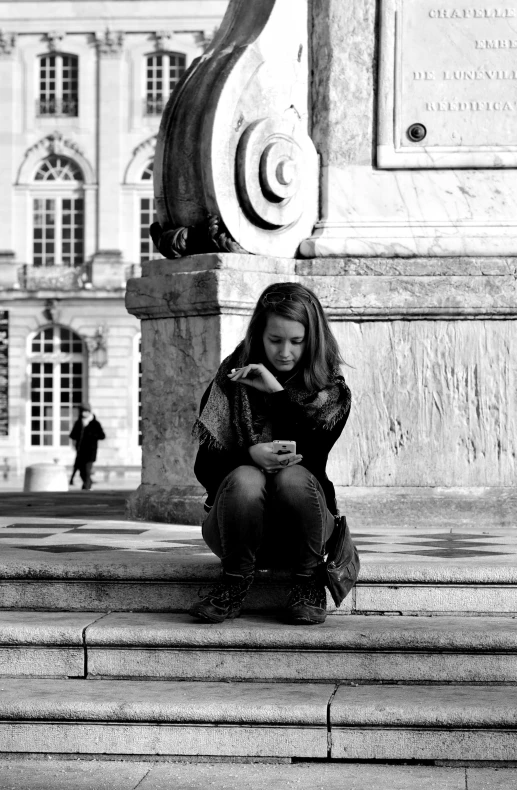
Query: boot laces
(225, 592)
(307, 592)
(238, 590)
(220, 592)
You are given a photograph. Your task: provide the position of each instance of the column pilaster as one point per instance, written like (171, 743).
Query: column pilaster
(7, 99)
(111, 115)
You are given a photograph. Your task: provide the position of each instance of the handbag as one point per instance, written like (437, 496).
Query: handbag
(341, 568)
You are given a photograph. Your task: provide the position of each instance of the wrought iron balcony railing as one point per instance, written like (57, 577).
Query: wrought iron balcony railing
(68, 107)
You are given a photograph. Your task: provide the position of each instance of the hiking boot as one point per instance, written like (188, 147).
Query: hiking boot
(306, 602)
(225, 599)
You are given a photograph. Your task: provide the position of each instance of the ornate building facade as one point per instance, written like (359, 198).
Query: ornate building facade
(82, 88)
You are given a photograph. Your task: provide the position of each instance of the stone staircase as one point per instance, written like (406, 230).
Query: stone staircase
(98, 657)
(391, 677)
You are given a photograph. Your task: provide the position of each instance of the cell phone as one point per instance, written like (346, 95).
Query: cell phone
(284, 446)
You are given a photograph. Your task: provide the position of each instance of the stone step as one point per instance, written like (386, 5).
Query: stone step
(356, 648)
(43, 644)
(96, 774)
(412, 563)
(361, 649)
(303, 721)
(405, 589)
(421, 722)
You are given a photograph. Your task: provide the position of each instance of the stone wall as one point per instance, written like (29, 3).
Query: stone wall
(182, 354)
(434, 404)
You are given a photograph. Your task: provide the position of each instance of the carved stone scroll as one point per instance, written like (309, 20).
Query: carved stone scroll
(209, 236)
(7, 43)
(109, 43)
(233, 141)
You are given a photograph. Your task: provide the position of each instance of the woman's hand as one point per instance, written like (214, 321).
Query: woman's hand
(256, 376)
(264, 456)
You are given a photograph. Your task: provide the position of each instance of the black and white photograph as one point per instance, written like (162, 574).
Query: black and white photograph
(258, 395)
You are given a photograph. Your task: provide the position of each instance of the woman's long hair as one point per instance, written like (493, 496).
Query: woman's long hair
(321, 356)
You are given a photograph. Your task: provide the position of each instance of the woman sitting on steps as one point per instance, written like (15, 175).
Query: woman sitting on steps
(283, 382)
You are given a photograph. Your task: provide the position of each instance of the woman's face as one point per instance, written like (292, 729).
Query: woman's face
(284, 342)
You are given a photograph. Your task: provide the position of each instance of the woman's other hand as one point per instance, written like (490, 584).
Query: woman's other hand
(266, 458)
(256, 376)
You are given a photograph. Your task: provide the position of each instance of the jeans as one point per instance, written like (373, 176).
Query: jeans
(272, 520)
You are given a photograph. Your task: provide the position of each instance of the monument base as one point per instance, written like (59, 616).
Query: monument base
(428, 348)
(170, 505)
(424, 507)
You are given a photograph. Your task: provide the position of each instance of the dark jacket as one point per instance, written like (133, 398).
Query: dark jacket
(289, 422)
(86, 438)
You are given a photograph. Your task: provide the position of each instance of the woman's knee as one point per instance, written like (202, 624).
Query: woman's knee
(293, 483)
(246, 481)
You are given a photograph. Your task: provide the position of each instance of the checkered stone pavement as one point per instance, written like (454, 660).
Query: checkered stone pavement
(73, 536)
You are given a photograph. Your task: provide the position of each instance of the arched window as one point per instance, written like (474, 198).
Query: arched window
(163, 72)
(148, 251)
(58, 213)
(57, 383)
(58, 85)
(147, 174)
(58, 168)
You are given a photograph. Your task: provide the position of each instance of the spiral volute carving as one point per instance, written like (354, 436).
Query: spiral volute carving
(272, 173)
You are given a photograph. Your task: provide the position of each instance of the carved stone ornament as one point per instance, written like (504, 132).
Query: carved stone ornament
(233, 143)
(148, 145)
(162, 39)
(55, 143)
(209, 236)
(51, 311)
(7, 43)
(110, 42)
(54, 39)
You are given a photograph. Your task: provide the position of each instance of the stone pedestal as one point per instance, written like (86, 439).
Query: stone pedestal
(427, 345)
(412, 254)
(193, 313)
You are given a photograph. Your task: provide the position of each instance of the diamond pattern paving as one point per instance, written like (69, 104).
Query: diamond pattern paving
(53, 536)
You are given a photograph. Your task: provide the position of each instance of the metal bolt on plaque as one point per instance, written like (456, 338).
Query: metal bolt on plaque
(416, 132)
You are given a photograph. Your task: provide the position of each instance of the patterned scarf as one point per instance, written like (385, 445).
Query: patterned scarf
(236, 416)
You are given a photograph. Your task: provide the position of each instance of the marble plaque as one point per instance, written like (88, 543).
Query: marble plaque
(448, 84)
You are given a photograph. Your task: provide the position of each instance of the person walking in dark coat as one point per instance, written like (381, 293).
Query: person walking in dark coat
(86, 433)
